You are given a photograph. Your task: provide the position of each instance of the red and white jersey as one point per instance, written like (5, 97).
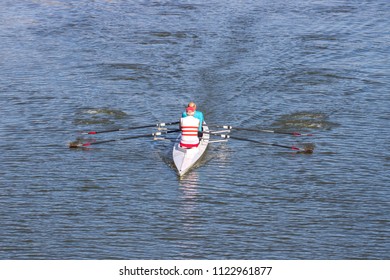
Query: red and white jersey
(189, 132)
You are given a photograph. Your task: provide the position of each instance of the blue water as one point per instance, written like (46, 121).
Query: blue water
(318, 67)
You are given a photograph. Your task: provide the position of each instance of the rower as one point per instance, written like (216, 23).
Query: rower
(198, 115)
(189, 126)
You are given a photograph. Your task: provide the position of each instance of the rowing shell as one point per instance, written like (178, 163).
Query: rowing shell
(185, 159)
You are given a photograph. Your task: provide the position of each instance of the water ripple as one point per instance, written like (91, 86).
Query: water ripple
(306, 66)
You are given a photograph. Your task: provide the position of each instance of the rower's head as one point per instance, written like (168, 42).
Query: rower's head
(192, 104)
(190, 111)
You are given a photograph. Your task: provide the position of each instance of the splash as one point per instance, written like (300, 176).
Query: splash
(93, 116)
(106, 111)
(305, 121)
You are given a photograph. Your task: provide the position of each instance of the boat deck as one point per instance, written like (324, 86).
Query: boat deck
(185, 159)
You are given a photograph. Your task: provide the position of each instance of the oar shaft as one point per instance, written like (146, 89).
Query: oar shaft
(264, 143)
(263, 130)
(120, 139)
(73, 145)
(113, 140)
(131, 128)
(216, 132)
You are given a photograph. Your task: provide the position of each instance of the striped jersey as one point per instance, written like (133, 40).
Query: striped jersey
(189, 132)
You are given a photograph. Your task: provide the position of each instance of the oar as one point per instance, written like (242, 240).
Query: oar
(307, 150)
(217, 132)
(130, 128)
(263, 130)
(81, 145)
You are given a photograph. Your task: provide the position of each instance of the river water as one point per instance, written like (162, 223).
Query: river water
(319, 67)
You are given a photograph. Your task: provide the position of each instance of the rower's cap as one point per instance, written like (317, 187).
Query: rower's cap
(190, 109)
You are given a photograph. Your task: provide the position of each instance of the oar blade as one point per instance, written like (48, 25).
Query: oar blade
(77, 144)
(74, 145)
(307, 149)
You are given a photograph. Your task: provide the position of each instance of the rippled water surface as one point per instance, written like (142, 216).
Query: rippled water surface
(319, 67)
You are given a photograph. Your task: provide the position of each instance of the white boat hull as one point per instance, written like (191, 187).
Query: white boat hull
(185, 159)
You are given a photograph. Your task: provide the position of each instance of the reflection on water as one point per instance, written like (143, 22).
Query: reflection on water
(189, 182)
(189, 190)
(190, 215)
